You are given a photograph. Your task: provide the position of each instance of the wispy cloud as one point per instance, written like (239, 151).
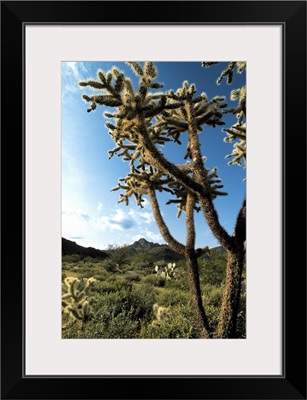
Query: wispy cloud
(72, 73)
(99, 206)
(75, 224)
(120, 220)
(75, 237)
(77, 70)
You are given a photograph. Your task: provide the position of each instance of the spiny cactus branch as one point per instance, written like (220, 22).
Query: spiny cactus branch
(173, 243)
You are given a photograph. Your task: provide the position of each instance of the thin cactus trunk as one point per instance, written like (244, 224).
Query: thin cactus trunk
(200, 317)
(201, 320)
(231, 299)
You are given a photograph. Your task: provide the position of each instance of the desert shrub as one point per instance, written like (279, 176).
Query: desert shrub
(109, 265)
(118, 254)
(175, 322)
(71, 258)
(212, 299)
(212, 270)
(132, 277)
(85, 273)
(128, 306)
(142, 256)
(180, 284)
(100, 274)
(142, 266)
(241, 320)
(123, 326)
(104, 287)
(172, 297)
(155, 280)
(213, 295)
(91, 260)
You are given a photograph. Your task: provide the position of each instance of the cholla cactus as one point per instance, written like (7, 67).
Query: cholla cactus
(144, 120)
(238, 130)
(137, 134)
(77, 301)
(160, 313)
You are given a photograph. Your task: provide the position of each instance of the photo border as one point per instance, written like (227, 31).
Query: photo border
(14, 384)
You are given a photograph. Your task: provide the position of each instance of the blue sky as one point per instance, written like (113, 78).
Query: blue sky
(91, 214)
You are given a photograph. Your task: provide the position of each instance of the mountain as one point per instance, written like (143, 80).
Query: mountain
(144, 244)
(164, 252)
(157, 251)
(69, 247)
(218, 249)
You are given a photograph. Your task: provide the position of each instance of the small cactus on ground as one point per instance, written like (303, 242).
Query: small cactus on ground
(77, 301)
(168, 271)
(160, 313)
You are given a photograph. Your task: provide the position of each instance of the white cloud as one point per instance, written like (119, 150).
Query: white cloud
(154, 237)
(141, 217)
(77, 69)
(99, 206)
(70, 87)
(75, 224)
(120, 221)
(137, 237)
(72, 73)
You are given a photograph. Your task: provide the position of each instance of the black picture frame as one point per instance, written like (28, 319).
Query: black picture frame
(15, 15)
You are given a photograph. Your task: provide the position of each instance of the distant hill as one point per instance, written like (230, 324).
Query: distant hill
(218, 249)
(145, 244)
(157, 250)
(163, 251)
(69, 247)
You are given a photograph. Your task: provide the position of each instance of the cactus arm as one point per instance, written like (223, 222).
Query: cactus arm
(173, 243)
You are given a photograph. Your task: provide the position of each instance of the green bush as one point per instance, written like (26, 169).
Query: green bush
(179, 284)
(109, 265)
(101, 274)
(85, 274)
(177, 323)
(132, 277)
(102, 287)
(172, 297)
(122, 312)
(155, 280)
(143, 267)
(212, 270)
(212, 295)
(241, 321)
(72, 258)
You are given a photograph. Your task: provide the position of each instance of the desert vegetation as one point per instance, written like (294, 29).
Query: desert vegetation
(140, 298)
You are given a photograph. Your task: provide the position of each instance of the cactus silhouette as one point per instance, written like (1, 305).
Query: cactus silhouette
(145, 119)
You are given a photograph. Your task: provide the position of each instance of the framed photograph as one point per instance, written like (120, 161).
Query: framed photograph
(97, 153)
